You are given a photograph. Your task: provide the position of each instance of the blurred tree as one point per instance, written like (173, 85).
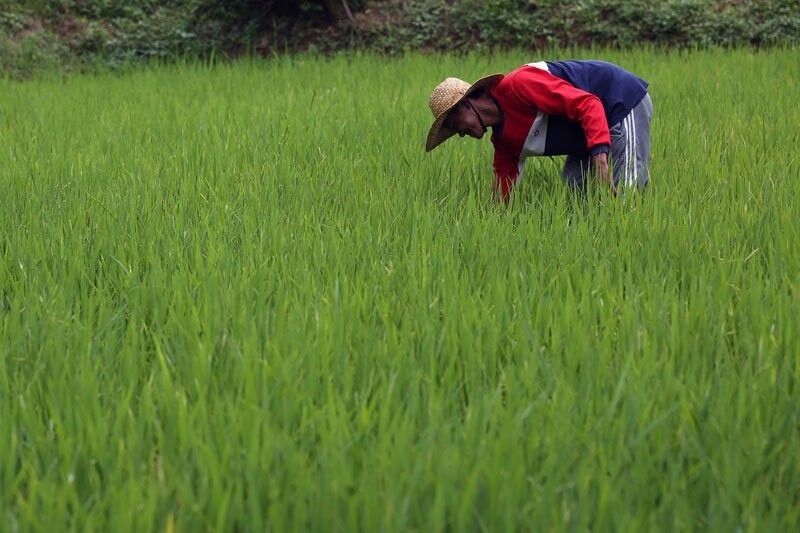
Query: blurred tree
(334, 9)
(337, 9)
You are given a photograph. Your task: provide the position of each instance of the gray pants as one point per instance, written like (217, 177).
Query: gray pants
(630, 151)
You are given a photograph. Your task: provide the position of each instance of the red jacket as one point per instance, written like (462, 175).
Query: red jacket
(545, 114)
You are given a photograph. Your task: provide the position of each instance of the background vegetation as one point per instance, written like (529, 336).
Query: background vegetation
(80, 34)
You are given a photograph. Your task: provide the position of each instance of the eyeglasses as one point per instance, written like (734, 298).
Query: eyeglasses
(448, 122)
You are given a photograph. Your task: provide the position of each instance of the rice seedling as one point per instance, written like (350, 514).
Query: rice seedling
(241, 297)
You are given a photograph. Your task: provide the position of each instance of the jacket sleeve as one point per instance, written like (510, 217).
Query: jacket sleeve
(506, 174)
(554, 96)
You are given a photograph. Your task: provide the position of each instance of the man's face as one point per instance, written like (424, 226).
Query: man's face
(463, 119)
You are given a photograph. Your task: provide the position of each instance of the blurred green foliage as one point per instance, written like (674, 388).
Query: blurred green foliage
(535, 23)
(70, 34)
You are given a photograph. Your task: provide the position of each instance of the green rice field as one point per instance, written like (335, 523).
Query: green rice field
(241, 297)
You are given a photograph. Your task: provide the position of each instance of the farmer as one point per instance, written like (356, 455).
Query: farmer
(595, 113)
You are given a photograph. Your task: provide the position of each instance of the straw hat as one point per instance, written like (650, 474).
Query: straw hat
(445, 97)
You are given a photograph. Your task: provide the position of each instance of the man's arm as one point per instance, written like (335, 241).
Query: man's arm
(555, 96)
(506, 174)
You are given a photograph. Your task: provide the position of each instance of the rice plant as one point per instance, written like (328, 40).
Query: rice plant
(242, 297)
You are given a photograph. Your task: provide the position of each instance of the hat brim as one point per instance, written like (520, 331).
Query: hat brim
(438, 133)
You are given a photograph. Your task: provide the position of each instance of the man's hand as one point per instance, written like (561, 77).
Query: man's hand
(501, 190)
(600, 163)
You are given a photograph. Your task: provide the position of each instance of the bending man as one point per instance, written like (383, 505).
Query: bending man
(586, 110)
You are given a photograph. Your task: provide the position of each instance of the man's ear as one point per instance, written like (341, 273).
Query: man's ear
(479, 96)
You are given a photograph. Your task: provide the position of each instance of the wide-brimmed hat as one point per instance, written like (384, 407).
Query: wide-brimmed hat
(445, 97)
